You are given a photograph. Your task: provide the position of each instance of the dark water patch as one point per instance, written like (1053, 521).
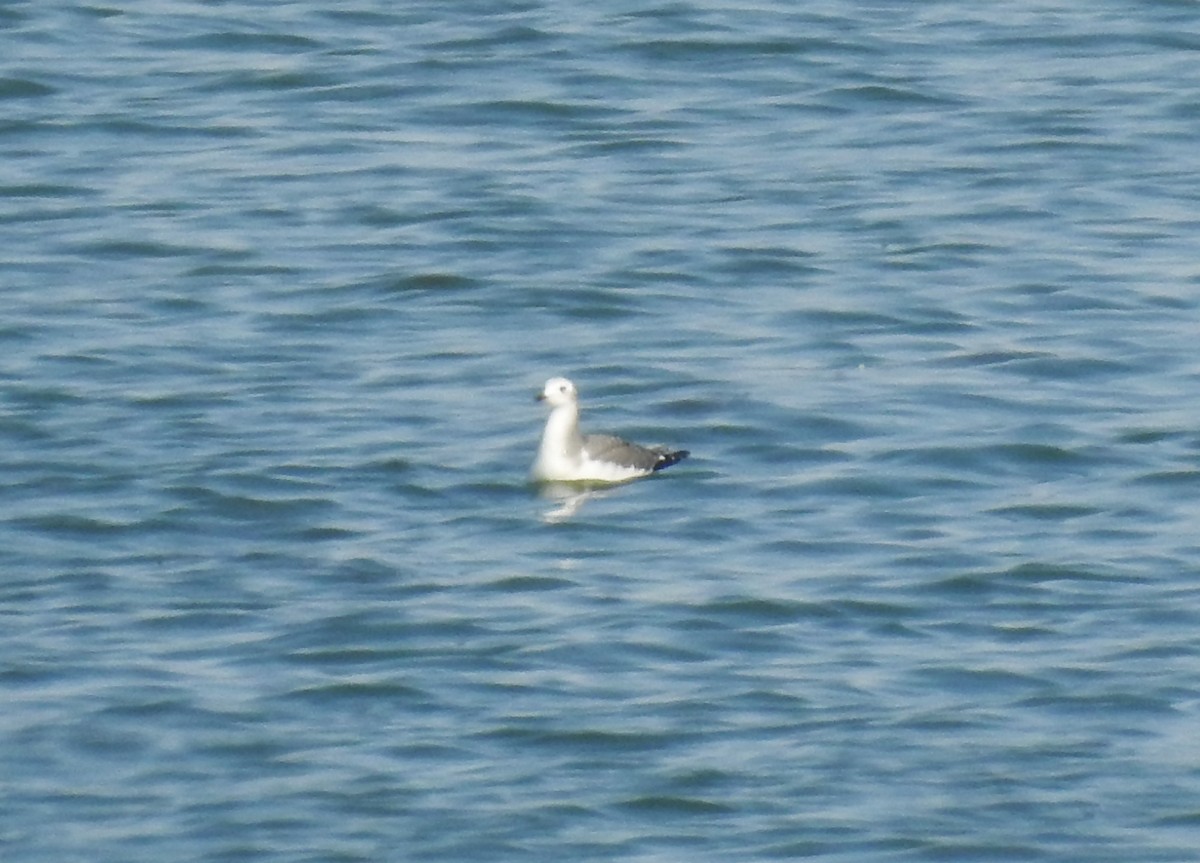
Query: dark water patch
(136, 249)
(684, 407)
(849, 319)
(166, 129)
(937, 559)
(239, 270)
(450, 643)
(629, 143)
(375, 216)
(1066, 42)
(814, 552)
(862, 487)
(724, 52)
(328, 533)
(443, 282)
(1167, 301)
(1039, 141)
(529, 584)
(745, 260)
(1173, 479)
(804, 849)
(665, 654)
(590, 742)
(237, 41)
(739, 612)
(79, 527)
(1103, 705)
(1156, 653)
(745, 613)
(1190, 819)
(24, 88)
(373, 19)
(831, 427)
(511, 36)
(388, 465)
(929, 320)
(353, 94)
(1021, 633)
(946, 459)
(1071, 368)
(991, 683)
(701, 778)
(156, 705)
(1020, 580)
(669, 805)
(992, 358)
(932, 257)
(372, 572)
(346, 317)
(1039, 573)
(247, 754)
(1054, 512)
(1036, 456)
(893, 616)
(43, 191)
(249, 508)
(730, 45)
(715, 527)
(533, 112)
(19, 129)
(253, 81)
(589, 304)
(234, 613)
(967, 851)
(97, 739)
(779, 456)
(192, 403)
(101, 12)
(888, 96)
(378, 696)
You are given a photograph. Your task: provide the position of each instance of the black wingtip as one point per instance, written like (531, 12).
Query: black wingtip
(669, 458)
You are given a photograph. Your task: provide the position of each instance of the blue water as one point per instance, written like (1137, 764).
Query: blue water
(916, 283)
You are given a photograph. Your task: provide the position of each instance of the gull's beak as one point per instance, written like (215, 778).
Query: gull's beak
(540, 397)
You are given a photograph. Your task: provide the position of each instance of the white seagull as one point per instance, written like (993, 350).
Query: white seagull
(568, 455)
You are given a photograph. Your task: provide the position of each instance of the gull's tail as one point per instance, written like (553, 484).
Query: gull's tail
(667, 459)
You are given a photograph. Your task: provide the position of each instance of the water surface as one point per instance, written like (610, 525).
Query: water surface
(916, 286)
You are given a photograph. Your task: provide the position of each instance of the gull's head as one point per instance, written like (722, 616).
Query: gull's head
(558, 392)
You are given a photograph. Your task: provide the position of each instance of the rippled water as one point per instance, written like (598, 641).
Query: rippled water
(915, 283)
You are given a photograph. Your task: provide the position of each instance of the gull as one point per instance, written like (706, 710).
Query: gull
(568, 455)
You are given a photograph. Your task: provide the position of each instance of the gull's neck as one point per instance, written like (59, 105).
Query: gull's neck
(561, 437)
